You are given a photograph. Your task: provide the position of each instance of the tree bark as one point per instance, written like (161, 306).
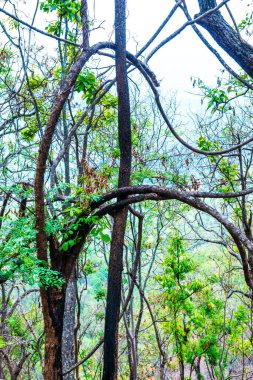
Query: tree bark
(110, 369)
(114, 297)
(68, 334)
(198, 369)
(53, 301)
(181, 369)
(226, 37)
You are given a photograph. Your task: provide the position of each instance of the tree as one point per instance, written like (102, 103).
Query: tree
(60, 243)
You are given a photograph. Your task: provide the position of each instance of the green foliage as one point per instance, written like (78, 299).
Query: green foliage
(5, 56)
(221, 99)
(100, 231)
(89, 268)
(195, 317)
(100, 294)
(29, 132)
(64, 8)
(206, 145)
(190, 307)
(54, 28)
(246, 23)
(17, 326)
(18, 256)
(2, 342)
(38, 85)
(228, 171)
(216, 99)
(109, 101)
(87, 84)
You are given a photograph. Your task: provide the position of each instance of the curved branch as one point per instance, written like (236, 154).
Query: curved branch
(59, 102)
(165, 192)
(171, 128)
(138, 194)
(240, 239)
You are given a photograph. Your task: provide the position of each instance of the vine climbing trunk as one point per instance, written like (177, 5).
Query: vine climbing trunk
(110, 368)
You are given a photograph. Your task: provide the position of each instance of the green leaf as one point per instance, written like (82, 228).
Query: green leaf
(65, 246)
(106, 238)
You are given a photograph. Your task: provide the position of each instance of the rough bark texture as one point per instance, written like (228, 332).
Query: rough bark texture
(114, 297)
(85, 24)
(68, 335)
(120, 218)
(53, 309)
(225, 36)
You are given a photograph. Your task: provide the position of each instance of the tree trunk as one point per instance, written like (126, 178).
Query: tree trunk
(132, 360)
(110, 371)
(197, 369)
(68, 335)
(225, 36)
(162, 369)
(114, 297)
(1, 369)
(129, 346)
(53, 301)
(181, 370)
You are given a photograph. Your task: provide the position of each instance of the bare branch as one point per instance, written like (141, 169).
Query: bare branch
(38, 30)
